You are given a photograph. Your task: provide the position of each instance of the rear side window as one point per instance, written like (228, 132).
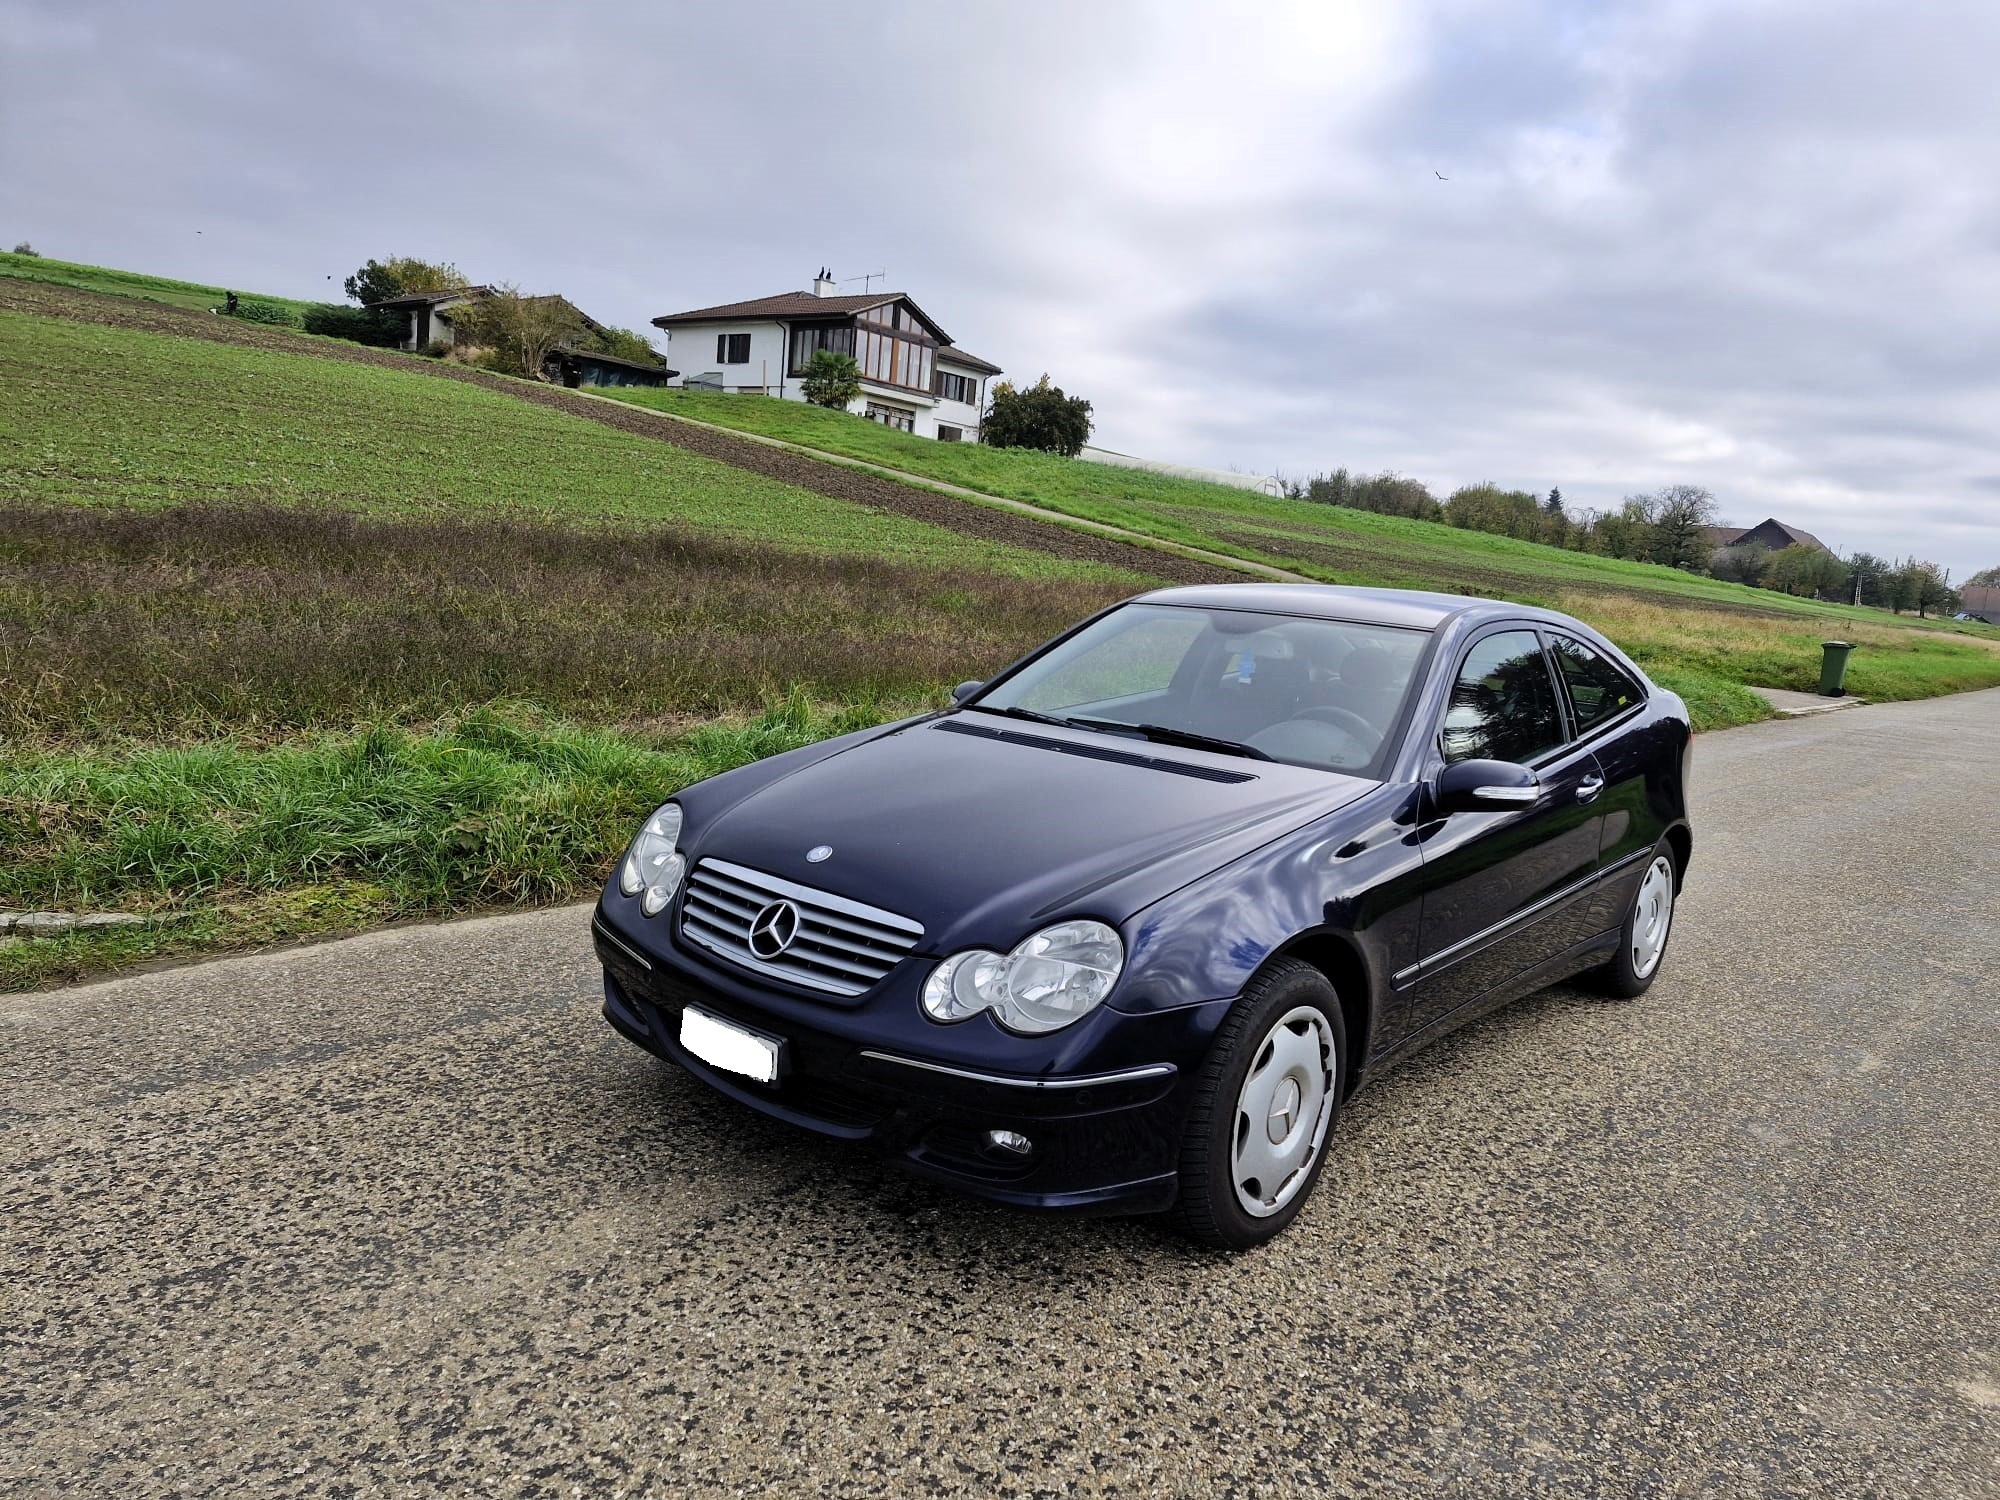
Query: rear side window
(1503, 702)
(1598, 691)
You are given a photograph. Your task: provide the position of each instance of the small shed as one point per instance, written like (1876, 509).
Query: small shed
(576, 367)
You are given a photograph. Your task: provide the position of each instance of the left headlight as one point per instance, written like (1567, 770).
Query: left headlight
(1054, 977)
(654, 863)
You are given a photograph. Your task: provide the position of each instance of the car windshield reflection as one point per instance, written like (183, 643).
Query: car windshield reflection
(1310, 692)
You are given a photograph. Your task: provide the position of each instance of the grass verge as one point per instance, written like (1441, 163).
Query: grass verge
(223, 845)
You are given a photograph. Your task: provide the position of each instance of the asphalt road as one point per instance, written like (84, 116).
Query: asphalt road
(399, 1216)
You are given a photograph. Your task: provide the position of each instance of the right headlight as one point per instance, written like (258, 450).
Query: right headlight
(1052, 977)
(654, 863)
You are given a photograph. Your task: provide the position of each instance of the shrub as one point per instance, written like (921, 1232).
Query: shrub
(358, 325)
(275, 313)
(1040, 417)
(24, 248)
(832, 379)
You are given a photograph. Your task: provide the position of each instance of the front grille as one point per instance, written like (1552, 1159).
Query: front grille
(841, 946)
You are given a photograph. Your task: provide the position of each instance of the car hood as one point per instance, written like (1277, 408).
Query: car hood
(982, 829)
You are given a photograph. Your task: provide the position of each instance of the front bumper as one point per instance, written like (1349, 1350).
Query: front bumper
(1105, 1140)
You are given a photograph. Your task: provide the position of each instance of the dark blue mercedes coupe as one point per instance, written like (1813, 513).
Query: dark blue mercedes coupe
(1121, 928)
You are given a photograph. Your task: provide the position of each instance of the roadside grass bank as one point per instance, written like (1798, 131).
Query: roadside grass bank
(190, 621)
(226, 846)
(189, 294)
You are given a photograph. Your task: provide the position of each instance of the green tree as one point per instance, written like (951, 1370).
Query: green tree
(1487, 507)
(1864, 578)
(1805, 570)
(517, 333)
(1040, 417)
(1554, 504)
(24, 248)
(1395, 495)
(1931, 589)
(832, 379)
(1985, 578)
(627, 344)
(1745, 564)
(1625, 532)
(400, 274)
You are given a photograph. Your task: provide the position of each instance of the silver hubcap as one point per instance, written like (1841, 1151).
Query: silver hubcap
(1282, 1112)
(1652, 917)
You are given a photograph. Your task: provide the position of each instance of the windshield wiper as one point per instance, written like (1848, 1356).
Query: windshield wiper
(1164, 734)
(1020, 713)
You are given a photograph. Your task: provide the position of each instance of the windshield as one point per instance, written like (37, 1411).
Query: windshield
(1321, 693)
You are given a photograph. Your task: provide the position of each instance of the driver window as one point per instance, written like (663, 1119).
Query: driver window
(1503, 702)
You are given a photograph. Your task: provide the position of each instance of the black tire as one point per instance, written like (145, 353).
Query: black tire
(1208, 1210)
(1622, 977)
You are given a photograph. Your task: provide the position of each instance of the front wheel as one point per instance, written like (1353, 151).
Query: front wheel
(1643, 942)
(1264, 1104)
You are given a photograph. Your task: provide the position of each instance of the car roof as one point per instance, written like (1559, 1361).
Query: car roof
(1409, 608)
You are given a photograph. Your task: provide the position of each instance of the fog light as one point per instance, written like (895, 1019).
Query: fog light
(1012, 1142)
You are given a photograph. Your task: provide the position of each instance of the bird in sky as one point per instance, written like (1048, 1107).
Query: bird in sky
(1439, 175)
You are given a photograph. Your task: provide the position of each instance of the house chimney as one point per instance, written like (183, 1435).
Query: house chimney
(823, 284)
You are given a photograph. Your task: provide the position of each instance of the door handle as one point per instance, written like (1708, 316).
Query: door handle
(1588, 788)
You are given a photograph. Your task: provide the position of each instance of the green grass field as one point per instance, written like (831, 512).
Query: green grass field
(97, 414)
(1706, 639)
(130, 284)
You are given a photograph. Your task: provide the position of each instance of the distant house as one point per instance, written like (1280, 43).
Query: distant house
(427, 315)
(912, 377)
(1980, 601)
(1771, 535)
(429, 322)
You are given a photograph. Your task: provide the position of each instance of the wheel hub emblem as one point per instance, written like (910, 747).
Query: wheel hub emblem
(773, 929)
(1284, 1110)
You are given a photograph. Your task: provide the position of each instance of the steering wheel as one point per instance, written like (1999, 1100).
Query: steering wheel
(1347, 719)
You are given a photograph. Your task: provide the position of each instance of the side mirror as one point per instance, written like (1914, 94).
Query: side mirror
(965, 690)
(1486, 786)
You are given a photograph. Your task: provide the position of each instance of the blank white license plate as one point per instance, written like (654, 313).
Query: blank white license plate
(728, 1047)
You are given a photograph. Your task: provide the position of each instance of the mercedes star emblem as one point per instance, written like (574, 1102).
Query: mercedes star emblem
(773, 929)
(819, 852)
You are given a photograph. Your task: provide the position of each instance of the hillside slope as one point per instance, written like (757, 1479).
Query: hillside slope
(1705, 638)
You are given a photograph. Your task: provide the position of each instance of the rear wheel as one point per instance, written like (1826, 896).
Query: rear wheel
(1264, 1105)
(1642, 944)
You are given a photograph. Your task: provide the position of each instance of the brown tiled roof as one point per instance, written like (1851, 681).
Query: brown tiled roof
(1721, 536)
(602, 358)
(784, 305)
(423, 299)
(971, 361)
(791, 305)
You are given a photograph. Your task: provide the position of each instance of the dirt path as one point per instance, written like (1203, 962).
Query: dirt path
(990, 518)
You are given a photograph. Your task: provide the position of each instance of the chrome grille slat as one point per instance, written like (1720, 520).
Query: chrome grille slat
(843, 947)
(845, 921)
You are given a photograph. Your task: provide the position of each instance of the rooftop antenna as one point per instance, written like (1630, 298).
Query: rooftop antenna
(867, 282)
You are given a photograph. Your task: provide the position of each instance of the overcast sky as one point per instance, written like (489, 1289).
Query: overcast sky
(1754, 246)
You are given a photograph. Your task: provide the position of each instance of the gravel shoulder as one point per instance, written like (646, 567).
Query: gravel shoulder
(399, 1215)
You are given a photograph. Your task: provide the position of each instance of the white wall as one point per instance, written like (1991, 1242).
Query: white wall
(691, 350)
(961, 414)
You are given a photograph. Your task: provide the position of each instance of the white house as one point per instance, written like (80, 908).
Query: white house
(912, 378)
